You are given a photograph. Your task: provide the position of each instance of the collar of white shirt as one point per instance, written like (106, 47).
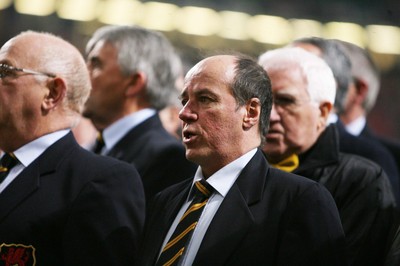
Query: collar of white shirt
(120, 128)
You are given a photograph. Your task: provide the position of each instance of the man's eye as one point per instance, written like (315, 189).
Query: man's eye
(94, 63)
(204, 99)
(4, 72)
(283, 101)
(183, 102)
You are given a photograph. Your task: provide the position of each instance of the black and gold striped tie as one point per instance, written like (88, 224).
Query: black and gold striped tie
(175, 247)
(98, 147)
(7, 162)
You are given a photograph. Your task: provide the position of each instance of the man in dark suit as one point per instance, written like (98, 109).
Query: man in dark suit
(59, 204)
(134, 73)
(255, 215)
(366, 90)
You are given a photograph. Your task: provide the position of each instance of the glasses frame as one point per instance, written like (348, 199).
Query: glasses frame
(24, 70)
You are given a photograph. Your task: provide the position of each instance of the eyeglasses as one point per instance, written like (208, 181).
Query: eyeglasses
(10, 71)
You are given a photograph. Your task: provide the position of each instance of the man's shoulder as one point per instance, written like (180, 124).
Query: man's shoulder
(290, 180)
(354, 169)
(69, 155)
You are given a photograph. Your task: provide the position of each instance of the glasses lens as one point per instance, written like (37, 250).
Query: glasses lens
(5, 71)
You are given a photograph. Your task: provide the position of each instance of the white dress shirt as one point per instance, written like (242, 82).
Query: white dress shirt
(356, 126)
(221, 181)
(116, 131)
(30, 152)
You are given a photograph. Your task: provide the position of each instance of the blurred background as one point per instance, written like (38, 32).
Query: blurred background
(198, 28)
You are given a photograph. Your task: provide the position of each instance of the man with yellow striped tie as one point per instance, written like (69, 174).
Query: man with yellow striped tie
(237, 210)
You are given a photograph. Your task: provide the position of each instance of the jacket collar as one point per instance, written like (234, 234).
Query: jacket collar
(28, 181)
(324, 152)
(245, 192)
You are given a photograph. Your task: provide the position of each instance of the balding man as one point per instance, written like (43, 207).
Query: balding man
(237, 210)
(59, 204)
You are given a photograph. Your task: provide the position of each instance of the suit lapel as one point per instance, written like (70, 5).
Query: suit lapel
(228, 227)
(28, 181)
(166, 216)
(132, 139)
(234, 217)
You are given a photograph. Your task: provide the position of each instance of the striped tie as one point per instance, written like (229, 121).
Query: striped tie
(98, 147)
(175, 247)
(7, 162)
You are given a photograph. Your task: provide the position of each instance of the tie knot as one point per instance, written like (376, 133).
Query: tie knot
(203, 189)
(7, 162)
(99, 138)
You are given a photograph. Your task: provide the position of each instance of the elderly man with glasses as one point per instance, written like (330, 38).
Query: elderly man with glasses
(59, 204)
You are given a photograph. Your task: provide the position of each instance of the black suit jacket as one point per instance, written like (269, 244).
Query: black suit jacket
(391, 145)
(373, 150)
(72, 207)
(158, 156)
(268, 217)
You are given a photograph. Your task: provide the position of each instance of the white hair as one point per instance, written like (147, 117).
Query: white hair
(321, 85)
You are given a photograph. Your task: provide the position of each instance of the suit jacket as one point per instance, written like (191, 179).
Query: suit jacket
(391, 145)
(393, 256)
(158, 156)
(72, 207)
(371, 149)
(362, 193)
(268, 217)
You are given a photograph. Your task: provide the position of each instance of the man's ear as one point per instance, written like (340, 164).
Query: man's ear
(325, 109)
(361, 90)
(136, 83)
(252, 114)
(57, 90)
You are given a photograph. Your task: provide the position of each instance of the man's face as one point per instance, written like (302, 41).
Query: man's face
(212, 121)
(105, 103)
(21, 94)
(295, 119)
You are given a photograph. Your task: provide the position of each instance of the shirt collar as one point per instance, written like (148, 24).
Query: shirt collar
(120, 128)
(223, 179)
(29, 152)
(356, 126)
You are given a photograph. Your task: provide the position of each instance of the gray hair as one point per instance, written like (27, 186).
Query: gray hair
(363, 68)
(321, 84)
(339, 63)
(146, 51)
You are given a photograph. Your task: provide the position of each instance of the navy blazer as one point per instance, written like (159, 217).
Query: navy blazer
(373, 150)
(268, 217)
(158, 156)
(392, 145)
(72, 207)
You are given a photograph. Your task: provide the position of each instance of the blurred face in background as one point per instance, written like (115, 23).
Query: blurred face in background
(106, 100)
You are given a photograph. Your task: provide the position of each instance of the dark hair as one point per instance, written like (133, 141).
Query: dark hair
(252, 81)
(339, 63)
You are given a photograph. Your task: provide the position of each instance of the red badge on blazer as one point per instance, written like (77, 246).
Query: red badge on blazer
(17, 254)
